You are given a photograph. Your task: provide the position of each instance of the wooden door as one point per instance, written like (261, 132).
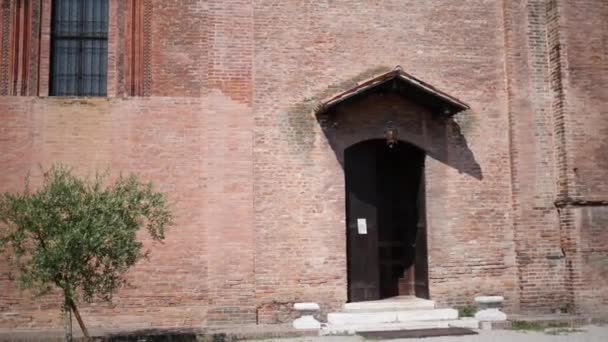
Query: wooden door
(385, 194)
(362, 223)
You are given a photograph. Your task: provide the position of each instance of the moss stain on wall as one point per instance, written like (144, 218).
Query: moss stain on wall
(301, 118)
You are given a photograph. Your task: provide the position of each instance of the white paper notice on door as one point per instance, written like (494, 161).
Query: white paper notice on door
(362, 226)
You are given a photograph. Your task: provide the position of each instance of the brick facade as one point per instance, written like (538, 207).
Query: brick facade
(214, 101)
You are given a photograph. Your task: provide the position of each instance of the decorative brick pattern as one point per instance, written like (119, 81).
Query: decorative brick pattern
(118, 35)
(135, 25)
(31, 84)
(19, 51)
(5, 29)
(147, 48)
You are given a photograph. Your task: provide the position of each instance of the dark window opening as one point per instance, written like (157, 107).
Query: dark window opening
(79, 48)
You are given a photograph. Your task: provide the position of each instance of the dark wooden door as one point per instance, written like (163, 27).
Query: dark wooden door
(384, 191)
(362, 246)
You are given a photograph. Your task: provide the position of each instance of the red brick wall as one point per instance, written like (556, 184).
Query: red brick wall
(583, 34)
(256, 180)
(557, 148)
(541, 266)
(163, 140)
(585, 78)
(179, 47)
(589, 266)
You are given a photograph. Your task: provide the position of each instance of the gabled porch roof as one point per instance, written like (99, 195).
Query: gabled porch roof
(397, 80)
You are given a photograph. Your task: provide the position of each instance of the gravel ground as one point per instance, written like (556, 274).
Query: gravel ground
(582, 334)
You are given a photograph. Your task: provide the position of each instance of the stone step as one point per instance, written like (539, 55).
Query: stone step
(352, 318)
(401, 303)
(350, 329)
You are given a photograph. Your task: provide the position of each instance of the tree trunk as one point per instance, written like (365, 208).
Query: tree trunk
(85, 332)
(67, 312)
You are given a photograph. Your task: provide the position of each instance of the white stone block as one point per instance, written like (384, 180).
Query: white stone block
(346, 318)
(489, 299)
(306, 306)
(490, 315)
(306, 322)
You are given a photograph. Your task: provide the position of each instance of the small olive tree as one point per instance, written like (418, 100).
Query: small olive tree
(78, 235)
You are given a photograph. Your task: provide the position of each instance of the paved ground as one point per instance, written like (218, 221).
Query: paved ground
(584, 334)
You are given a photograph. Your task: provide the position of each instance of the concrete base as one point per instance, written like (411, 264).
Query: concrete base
(307, 321)
(491, 315)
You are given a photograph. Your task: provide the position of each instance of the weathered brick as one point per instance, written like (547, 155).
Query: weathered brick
(516, 188)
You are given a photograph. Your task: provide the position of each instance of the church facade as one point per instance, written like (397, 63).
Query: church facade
(324, 151)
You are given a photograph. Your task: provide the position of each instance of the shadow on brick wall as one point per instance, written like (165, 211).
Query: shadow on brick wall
(440, 137)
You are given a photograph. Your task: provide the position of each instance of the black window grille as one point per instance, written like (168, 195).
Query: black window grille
(79, 48)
